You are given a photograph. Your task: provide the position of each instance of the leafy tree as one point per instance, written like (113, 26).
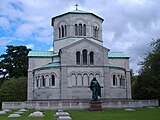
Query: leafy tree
(14, 89)
(15, 61)
(147, 85)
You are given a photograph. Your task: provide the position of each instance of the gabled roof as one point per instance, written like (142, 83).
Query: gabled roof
(82, 40)
(39, 53)
(52, 64)
(76, 12)
(117, 55)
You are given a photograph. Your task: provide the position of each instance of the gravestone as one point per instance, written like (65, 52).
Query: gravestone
(129, 109)
(61, 114)
(14, 115)
(2, 112)
(64, 118)
(36, 114)
(18, 112)
(7, 110)
(22, 110)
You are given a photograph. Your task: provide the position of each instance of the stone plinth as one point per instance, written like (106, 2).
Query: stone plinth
(95, 106)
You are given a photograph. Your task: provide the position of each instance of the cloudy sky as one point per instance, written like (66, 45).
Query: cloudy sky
(129, 25)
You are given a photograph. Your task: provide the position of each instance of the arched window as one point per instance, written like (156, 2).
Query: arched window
(97, 32)
(73, 81)
(94, 31)
(84, 52)
(79, 80)
(47, 80)
(80, 29)
(62, 31)
(121, 80)
(65, 28)
(84, 30)
(78, 57)
(37, 81)
(91, 56)
(59, 31)
(85, 80)
(114, 80)
(52, 80)
(43, 81)
(76, 29)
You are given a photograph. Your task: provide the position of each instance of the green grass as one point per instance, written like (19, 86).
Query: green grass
(111, 114)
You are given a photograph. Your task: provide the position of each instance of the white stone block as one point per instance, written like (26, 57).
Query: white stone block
(60, 110)
(62, 114)
(2, 112)
(22, 110)
(129, 109)
(7, 110)
(36, 114)
(14, 115)
(18, 112)
(64, 118)
(150, 107)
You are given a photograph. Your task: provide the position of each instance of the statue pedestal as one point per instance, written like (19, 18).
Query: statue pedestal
(95, 106)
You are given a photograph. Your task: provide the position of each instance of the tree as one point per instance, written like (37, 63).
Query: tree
(14, 89)
(15, 61)
(148, 82)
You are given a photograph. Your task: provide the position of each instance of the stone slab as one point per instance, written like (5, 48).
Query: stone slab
(64, 118)
(18, 112)
(23, 110)
(128, 109)
(36, 114)
(2, 112)
(7, 110)
(14, 115)
(61, 114)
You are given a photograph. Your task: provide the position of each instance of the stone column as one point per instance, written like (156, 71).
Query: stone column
(128, 85)
(30, 85)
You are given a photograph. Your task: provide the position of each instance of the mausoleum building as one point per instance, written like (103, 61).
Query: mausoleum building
(77, 57)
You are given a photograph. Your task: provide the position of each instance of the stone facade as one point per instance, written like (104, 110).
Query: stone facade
(78, 56)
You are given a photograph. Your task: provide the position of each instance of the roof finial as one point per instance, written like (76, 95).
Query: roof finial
(76, 6)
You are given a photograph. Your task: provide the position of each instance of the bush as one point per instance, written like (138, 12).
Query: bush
(14, 89)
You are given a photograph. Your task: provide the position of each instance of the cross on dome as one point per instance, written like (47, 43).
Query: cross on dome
(76, 6)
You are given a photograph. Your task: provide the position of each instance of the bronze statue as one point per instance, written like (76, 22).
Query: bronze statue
(95, 88)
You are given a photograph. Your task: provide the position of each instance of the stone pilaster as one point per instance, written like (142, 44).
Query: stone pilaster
(30, 85)
(63, 83)
(106, 82)
(128, 85)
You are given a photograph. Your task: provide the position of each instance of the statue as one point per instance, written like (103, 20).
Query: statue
(95, 88)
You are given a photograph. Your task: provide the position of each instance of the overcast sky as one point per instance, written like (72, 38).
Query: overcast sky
(129, 25)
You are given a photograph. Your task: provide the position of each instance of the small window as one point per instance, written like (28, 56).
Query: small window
(91, 55)
(84, 57)
(76, 29)
(84, 30)
(37, 82)
(53, 80)
(59, 30)
(78, 58)
(114, 80)
(97, 29)
(80, 29)
(65, 30)
(62, 31)
(43, 81)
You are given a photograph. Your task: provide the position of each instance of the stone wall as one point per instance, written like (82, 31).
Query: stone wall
(78, 104)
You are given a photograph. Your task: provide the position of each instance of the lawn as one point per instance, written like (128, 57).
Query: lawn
(112, 114)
